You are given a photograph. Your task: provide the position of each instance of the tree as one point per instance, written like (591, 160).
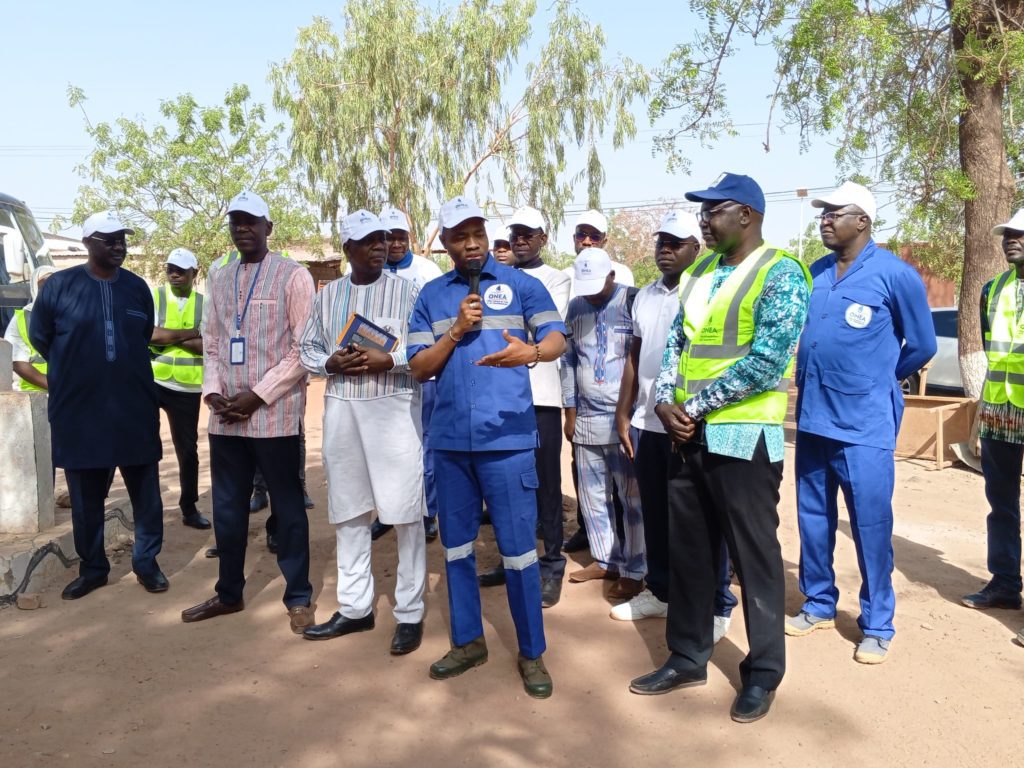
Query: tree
(924, 96)
(173, 180)
(411, 105)
(631, 240)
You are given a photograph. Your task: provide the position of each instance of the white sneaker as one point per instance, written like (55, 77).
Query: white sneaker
(643, 606)
(721, 627)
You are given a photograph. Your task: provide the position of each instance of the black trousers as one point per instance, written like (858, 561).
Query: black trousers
(710, 497)
(88, 490)
(549, 493)
(232, 463)
(182, 409)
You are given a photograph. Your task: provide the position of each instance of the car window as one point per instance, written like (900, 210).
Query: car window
(945, 321)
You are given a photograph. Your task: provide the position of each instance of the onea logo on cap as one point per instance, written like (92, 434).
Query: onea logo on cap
(586, 269)
(363, 218)
(460, 203)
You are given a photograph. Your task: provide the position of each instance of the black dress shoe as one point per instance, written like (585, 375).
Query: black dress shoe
(752, 704)
(272, 543)
(668, 679)
(196, 520)
(550, 592)
(407, 638)
(378, 529)
(81, 587)
(577, 542)
(992, 598)
(430, 528)
(492, 578)
(213, 552)
(337, 626)
(258, 501)
(307, 502)
(154, 582)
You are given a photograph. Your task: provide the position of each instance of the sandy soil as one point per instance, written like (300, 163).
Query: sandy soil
(116, 679)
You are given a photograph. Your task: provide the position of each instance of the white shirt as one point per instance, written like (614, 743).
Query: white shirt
(544, 378)
(20, 352)
(623, 275)
(654, 310)
(421, 271)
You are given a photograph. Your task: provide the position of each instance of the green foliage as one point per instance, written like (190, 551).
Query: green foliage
(410, 104)
(173, 180)
(813, 248)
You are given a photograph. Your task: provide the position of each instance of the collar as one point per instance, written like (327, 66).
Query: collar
(490, 268)
(404, 263)
(866, 253)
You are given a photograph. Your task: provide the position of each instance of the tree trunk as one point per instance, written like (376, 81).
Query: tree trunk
(983, 160)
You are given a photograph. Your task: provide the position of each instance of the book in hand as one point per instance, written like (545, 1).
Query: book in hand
(359, 330)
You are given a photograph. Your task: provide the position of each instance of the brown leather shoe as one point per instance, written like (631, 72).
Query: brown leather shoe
(591, 572)
(302, 616)
(625, 589)
(209, 609)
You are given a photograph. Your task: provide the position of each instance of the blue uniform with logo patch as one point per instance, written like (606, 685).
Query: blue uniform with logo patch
(483, 432)
(865, 332)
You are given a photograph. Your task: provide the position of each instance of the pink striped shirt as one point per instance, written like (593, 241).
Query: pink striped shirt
(281, 301)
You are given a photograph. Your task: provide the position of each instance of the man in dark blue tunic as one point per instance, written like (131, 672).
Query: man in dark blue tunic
(92, 324)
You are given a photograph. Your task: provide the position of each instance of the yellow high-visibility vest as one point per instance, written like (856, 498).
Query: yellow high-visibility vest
(22, 317)
(1004, 344)
(171, 362)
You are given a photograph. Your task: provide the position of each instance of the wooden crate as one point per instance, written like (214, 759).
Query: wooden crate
(931, 425)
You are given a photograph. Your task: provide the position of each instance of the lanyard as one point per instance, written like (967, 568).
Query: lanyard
(240, 316)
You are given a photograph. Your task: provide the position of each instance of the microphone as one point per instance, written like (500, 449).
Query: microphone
(473, 268)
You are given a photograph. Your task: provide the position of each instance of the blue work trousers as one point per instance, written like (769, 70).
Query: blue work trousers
(429, 391)
(507, 481)
(866, 476)
(1001, 465)
(88, 490)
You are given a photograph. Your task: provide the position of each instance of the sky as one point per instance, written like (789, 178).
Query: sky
(128, 56)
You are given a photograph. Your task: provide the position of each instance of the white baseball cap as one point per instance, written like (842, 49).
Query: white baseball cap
(393, 219)
(528, 217)
(458, 210)
(183, 258)
(1016, 224)
(249, 202)
(590, 271)
(681, 224)
(849, 193)
(359, 224)
(104, 222)
(594, 219)
(497, 230)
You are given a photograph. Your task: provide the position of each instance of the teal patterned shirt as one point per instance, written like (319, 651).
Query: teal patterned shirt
(779, 314)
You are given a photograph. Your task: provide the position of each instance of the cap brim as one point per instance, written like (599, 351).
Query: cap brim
(589, 287)
(998, 230)
(702, 195)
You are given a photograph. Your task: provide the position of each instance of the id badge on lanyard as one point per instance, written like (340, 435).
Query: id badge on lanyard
(237, 343)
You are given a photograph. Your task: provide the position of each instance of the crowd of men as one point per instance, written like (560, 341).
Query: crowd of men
(448, 392)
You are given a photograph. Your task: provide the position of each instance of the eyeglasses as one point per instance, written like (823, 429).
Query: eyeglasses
(672, 243)
(711, 213)
(593, 237)
(833, 215)
(526, 235)
(110, 242)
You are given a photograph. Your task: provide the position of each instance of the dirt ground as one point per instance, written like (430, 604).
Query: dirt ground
(116, 679)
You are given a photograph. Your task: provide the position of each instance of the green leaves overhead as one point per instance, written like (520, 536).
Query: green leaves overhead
(411, 105)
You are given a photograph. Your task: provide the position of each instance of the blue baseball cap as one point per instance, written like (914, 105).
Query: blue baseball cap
(731, 186)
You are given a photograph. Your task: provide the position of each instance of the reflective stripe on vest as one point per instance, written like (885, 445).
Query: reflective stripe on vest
(719, 331)
(1004, 344)
(172, 362)
(23, 317)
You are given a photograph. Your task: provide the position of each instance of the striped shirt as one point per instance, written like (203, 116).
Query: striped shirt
(282, 292)
(387, 302)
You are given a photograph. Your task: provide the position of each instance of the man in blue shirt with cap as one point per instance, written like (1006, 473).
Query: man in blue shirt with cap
(469, 329)
(868, 327)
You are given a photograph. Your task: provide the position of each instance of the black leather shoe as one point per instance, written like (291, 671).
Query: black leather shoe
(430, 528)
(668, 679)
(337, 626)
(272, 543)
(752, 704)
(258, 501)
(378, 529)
(577, 542)
(407, 638)
(307, 502)
(550, 592)
(213, 552)
(81, 587)
(196, 520)
(991, 598)
(154, 582)
(492, 578)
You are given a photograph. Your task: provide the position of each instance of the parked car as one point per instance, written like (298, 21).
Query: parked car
(944, 372)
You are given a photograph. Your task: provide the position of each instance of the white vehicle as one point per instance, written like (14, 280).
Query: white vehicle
(944, 371)
(21, 250)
